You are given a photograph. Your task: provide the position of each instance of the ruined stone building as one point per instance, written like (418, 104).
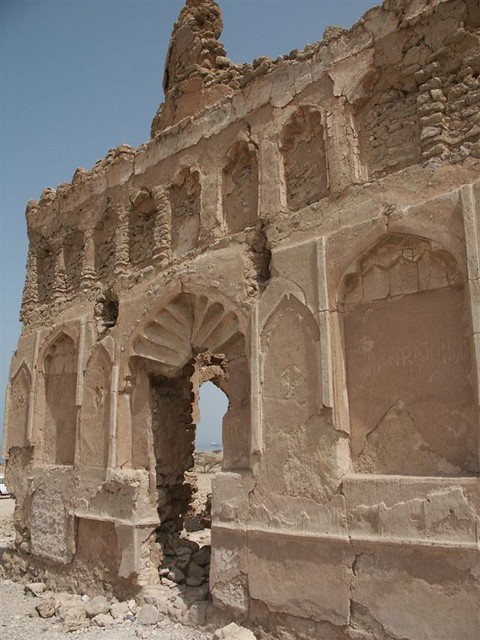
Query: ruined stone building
(306, 233)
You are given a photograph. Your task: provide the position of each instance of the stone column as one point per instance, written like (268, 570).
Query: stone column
(122, 249)
(162, 232)
(471, 221)
(255, 389)
(272, 194)
(324, 322)
(88, 267)
(343, 155)
(30, 289)
(59, 285)
(31, 435)
(113, 416)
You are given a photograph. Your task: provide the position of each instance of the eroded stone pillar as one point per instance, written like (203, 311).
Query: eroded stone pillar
(122, 250)
(59, 288)
(343, 154)
(162, 231)
(88, 268)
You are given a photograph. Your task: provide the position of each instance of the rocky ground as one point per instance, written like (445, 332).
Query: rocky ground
(170, 611)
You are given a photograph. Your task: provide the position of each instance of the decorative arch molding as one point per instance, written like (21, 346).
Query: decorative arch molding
(408, 360)
(295, 434)
(71, 331)
(277, 289)
(399, 264)
(23, 364)
(18, 407)
(346, 247)
(186, 324)
(159, 370)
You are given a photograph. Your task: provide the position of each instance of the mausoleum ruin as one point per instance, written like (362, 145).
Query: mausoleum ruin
(304, 232)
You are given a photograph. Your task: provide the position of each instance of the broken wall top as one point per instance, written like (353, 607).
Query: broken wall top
(398, 89)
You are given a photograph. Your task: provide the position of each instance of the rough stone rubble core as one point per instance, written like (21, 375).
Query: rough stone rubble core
(314, 224)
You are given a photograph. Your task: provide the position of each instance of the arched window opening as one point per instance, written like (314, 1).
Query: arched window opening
(212, 405)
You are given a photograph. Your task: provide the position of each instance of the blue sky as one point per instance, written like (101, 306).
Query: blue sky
(79, 77)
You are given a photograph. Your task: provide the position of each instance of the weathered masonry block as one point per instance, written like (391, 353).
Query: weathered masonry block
(305, 232)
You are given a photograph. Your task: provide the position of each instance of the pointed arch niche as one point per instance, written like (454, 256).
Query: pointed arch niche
(408, 356)
(293, 430)
(60, 373)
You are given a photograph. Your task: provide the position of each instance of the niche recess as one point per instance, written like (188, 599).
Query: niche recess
(60, 370)
(45, 270)
(240, 187)
(142, 228)
(185, 202)
(104, 241)
(408, 361)
(304, 158)
(73, 249)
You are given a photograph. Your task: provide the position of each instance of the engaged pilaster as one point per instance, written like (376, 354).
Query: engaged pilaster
(163, 242)
(122, 253)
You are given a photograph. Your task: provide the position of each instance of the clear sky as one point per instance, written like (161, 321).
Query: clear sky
(79, 77)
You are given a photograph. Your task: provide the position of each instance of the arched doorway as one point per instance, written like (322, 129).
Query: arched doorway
(190, 341)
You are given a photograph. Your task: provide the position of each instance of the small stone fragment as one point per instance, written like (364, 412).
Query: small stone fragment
(46, 608)
(35, 588)
(103, 620)
(176, 575)
(97, 605)
(148, 615)
(202, 557)
(119, 610)
(75, 619)
(233, 632)
(195, 570)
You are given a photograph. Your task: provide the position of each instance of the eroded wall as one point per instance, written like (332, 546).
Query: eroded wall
(312, 222)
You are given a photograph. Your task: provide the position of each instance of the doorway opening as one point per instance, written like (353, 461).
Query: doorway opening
(186, 462)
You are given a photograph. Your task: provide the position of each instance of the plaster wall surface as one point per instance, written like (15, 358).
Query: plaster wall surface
(306, 233)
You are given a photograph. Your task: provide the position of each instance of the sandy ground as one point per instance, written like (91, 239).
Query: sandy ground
(20, 621)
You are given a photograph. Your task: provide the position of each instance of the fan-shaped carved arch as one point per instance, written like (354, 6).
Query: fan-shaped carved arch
(188, 324)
